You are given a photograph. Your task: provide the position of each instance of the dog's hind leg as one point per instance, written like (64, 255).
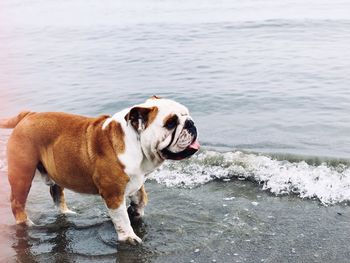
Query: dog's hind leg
(56, 191)
(21, 169)
(57, 195)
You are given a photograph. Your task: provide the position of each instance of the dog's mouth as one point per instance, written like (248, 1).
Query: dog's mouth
(183, 145)
(188, 152)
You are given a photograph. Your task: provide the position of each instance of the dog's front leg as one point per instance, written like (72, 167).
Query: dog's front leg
(122, 224)
(137, 205)
(111, 182)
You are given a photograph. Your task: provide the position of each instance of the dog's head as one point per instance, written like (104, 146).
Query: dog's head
(166, 129)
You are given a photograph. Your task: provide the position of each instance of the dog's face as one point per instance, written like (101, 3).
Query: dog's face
(166, 129)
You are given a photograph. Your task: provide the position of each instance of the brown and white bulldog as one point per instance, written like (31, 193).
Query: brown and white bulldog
(109, 156)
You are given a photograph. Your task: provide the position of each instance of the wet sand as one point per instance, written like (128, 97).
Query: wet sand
(232, 221)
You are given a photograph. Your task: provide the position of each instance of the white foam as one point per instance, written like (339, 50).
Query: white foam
(4, 135)
(3, 166)
(330, 184)
(3, 162)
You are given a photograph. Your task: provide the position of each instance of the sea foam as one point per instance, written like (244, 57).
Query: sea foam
(328, 183)
(3, 166)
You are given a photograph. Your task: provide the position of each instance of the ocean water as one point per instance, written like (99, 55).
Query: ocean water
(268, 85)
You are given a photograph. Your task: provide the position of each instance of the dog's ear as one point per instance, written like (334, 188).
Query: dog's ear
(141, 117)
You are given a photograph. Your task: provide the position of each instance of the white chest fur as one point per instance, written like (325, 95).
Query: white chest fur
(132, 160)
(132, 157)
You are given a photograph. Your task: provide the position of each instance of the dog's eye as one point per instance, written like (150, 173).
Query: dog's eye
(171, 123)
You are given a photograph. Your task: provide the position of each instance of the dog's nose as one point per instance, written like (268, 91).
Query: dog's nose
(189, 125)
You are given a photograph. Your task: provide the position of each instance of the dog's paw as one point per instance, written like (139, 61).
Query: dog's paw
(67, 212)
(27, 222)
(132, 239)
(135, 212)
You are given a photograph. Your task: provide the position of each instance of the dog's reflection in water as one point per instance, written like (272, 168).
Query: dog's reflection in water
(37, 243)
(64, 241)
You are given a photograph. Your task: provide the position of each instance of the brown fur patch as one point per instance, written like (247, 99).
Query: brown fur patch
(75, 152)
(142, 195)
(152, 115)
(116, 135)
(111, 181)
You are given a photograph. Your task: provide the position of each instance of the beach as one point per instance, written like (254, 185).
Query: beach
(238, 223)
(267, 84)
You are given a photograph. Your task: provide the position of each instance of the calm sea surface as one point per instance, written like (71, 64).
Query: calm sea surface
(268, 85)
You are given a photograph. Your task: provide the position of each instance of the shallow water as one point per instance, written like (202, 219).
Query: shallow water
(267, 83)
(239, 222)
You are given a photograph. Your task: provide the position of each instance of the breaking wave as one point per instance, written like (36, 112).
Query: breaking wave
(325, 179)
(3, 163)
(3, 166)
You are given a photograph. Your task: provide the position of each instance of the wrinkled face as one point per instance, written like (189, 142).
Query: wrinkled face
(166, 130)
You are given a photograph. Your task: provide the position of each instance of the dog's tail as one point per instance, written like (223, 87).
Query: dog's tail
(12, 122)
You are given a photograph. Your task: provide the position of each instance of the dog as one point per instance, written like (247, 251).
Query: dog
(108, 155)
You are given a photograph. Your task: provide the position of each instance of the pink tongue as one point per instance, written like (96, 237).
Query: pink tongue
(195, 145)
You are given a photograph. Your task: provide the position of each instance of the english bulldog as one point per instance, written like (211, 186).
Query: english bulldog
(108, 155)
